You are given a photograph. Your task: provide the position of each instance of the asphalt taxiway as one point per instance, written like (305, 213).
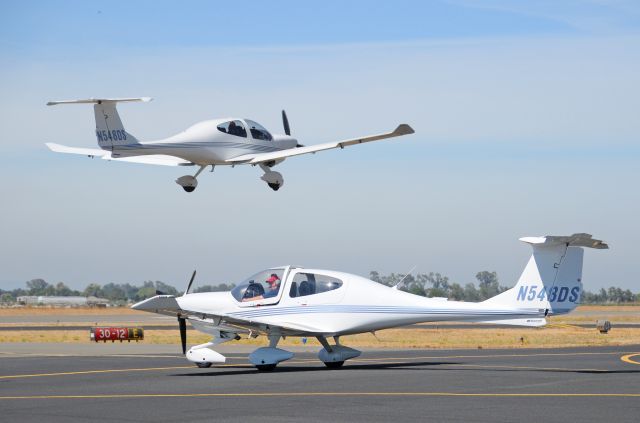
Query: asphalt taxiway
(150, 383)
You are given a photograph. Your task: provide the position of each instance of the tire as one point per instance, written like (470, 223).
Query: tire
(203, 365)
(266, 367)
(333, 364)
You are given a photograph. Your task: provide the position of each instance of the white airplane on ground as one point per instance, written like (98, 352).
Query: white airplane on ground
(295, 301)
(230, 141)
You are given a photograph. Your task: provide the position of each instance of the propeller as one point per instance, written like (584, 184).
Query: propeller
(182, 322)
(285, 123)
(193, 276)
(287, 128)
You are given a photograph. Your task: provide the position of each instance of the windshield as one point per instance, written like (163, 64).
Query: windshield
(265, 284)
(258, 132)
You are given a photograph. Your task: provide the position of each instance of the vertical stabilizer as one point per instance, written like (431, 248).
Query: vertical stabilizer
(110, 132)
(552, 279)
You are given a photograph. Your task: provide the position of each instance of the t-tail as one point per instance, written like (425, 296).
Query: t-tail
(110, 132)
(552, 280)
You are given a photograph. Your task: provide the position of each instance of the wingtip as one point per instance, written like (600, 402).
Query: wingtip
(404, 129)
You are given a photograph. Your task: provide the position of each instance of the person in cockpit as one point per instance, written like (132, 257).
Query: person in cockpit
(274, 286)
(233, 128)
(255, 291)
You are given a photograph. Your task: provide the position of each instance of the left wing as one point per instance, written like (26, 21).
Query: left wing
(156, 159)
(402, 129)
(168, 306)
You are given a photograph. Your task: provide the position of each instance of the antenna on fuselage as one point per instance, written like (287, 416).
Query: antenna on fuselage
(399, 284)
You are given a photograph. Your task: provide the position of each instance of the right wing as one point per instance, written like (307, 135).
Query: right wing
(402, 129)
(156, 159)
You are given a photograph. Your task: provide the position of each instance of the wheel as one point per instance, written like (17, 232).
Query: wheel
(274, 187)
(203, 365)
(334, 364)
(266, 367)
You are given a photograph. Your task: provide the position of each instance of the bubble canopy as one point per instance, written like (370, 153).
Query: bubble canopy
(265, 283)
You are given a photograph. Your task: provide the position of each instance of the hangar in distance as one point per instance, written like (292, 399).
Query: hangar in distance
(216, 142)
(302, 302)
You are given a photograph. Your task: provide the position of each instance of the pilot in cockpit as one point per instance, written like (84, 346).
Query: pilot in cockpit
(255, 291)
(274, 286)
(233, 128)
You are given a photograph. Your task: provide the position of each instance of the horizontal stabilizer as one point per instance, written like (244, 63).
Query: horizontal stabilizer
(155, 159)
(100, 100)
(575, 240)
(91, 152)
(530, 322)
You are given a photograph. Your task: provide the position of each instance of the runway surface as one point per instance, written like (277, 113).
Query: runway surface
(154, 384)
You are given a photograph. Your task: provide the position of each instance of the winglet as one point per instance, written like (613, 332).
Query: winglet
(100, 100)
(403, 129)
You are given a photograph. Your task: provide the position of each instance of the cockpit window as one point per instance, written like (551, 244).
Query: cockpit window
(258, 132)
(234, 127)
(311, 283)
(262, 285)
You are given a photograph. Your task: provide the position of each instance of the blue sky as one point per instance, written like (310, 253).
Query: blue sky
(525, 112)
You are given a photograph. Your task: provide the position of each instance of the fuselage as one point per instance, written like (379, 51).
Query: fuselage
(353, 305)
(208, 142)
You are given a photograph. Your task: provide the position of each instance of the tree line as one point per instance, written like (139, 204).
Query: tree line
(424, 284)
(118, 294)
(436, 285)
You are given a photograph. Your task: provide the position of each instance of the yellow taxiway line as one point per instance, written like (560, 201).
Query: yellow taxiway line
(627, 358)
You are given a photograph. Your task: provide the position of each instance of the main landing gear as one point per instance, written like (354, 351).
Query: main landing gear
(267, 358)
(272, 178)
(334, 356)
(188, 182)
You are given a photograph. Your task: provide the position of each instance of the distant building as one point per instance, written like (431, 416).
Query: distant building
(63, 301)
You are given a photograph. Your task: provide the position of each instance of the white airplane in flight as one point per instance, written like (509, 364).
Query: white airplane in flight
(230, 142)
(300, 302)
